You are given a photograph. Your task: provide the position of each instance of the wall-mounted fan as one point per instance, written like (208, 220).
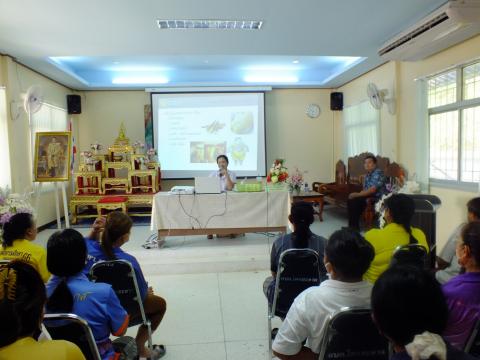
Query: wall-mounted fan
(33, 100)
(378, 97)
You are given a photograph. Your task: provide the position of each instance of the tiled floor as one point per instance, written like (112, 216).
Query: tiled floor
(215, 305)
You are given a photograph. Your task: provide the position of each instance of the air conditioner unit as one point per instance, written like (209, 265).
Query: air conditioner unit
(450, 24)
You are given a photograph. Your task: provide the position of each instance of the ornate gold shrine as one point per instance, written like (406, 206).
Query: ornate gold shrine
(119, 172)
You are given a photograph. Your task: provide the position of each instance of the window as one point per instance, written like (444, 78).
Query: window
(361, 124)
(48, 118)
(454, 126)
(5, 178)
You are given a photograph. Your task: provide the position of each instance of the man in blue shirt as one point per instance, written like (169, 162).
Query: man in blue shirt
(373, 187)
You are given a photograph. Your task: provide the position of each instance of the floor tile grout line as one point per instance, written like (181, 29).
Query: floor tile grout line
(221, 316)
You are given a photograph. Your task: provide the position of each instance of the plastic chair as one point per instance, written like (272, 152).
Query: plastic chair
(72, 328)
(121, 275)
(298, 269)
(411, 254)
(472, 346)
(351, 334)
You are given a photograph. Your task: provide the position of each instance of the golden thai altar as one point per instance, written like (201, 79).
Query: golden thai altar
(124, 178)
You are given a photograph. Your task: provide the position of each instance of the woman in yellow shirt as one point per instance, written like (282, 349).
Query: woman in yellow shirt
(22, 298)
(18, 234)
(399, 210)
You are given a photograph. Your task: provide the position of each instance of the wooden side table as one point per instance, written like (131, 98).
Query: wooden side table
(311, 197)
(112, 203)
(135, 180)
(88, 182)
(115, 184)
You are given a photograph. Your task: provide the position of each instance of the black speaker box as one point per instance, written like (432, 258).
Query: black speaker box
(336, 101)
(74, 104)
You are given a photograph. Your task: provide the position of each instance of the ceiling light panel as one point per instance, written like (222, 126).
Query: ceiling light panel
(210, 24)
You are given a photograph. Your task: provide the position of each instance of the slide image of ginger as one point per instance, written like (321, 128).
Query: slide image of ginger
(238, 150)
(206, 152)
(214, 127)
(241, 123)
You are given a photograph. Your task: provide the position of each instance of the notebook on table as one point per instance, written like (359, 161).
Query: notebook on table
(207, 185)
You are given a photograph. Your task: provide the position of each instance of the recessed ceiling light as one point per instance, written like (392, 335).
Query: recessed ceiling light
(271, 79)
(140, 80)
(210, 24)
(295, 61)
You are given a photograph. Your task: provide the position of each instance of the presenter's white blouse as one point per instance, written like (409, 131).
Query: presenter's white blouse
(223, 180)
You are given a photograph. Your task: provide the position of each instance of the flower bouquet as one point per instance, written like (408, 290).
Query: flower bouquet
(96, 147)
(278, 175)
(11, 204)
(151, 154)
(138, 147)
(89, 160)
(295, 182)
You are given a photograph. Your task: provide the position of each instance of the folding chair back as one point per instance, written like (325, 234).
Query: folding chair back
(72, 328)
(298, 269)
(121, 275)
(351, 334)
(473, 343)
(411, 254)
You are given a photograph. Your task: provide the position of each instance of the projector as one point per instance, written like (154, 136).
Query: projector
(182, 190)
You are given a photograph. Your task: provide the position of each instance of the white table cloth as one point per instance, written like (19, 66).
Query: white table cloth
(230, 210)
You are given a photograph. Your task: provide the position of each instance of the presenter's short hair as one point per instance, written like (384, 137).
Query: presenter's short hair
(223, 156)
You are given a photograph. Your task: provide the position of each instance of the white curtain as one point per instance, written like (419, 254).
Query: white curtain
(5, 176)
(422, 146)
(362, 129)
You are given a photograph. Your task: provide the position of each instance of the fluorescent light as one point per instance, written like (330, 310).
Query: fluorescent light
(166, 24)
(271, 79)
(140, 80)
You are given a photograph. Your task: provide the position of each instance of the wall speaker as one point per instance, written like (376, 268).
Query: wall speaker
(74, 104)
(336, 101)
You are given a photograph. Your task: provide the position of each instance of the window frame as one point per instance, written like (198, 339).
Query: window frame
(459, 105)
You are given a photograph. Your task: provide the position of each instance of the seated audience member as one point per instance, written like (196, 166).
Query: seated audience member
(347, 257)
(22, 297)
(463, 291)
(115, 234)
(18, 234)
(70, 291)
(409, 309)
(447, 261)
(399, 211)
(373, 186)
(301, 217)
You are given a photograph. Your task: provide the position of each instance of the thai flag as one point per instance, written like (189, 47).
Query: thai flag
(74, 147)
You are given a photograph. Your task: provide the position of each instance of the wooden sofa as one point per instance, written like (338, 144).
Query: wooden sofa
(346, 182)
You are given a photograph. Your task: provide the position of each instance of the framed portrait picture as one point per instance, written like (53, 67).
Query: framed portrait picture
(52, 156)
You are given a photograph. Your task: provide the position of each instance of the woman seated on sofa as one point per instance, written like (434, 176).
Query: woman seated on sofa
(115, 234)
(22, 298)
(399, 210)
(70, 291)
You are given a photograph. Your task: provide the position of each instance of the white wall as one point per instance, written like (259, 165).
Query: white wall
(303, 142)
(398, 131)
(17, 79)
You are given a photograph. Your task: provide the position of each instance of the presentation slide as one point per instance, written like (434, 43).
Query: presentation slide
(191, 130)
